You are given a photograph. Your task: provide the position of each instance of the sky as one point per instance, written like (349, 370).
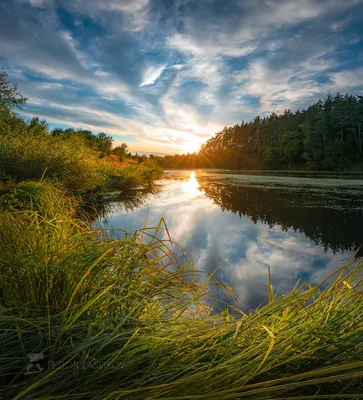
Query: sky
(166, 75)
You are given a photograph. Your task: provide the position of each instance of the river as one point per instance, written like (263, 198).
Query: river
(303, 225)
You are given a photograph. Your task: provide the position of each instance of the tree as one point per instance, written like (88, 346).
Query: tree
(9, 96)
(291, 146)
(121, 150)
(37, 127)
(104, 143)
(328, 135)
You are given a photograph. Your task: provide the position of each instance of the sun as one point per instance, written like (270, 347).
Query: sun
(191, 146)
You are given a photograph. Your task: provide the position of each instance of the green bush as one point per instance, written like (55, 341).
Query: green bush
(135, 175)
(68, 162)
(127, 178)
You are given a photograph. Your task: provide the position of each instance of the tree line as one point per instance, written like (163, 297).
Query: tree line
(12, 125)
(326, 136)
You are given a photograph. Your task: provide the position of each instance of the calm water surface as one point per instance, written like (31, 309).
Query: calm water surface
(303, 226)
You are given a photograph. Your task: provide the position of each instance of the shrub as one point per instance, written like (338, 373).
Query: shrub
(132, 176)
(127, 178)
(69, 162)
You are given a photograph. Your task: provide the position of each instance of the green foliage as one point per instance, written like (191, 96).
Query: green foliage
(122, 150)
(24, 209)
(100, 142)
(136, 175)
(11, 125)
(104, 143)
(326, 136)
(68, 162)
(37, 127)
(9, 96)
(76, 159)
(42, 197)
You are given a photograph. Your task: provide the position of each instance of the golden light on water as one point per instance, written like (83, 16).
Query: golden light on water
(191, 186)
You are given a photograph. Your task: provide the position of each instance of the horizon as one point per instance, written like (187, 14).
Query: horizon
(164, 77)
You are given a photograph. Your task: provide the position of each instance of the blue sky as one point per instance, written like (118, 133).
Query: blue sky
(164, 76)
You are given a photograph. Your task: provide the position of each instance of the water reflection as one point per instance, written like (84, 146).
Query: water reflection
(116, 203)
(301, 227)
(332, 220)
(191, 185)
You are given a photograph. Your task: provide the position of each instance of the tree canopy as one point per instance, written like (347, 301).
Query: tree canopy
(9, 96)
(326, 136)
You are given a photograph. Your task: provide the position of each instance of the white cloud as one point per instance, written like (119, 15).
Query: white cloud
(346, 80)
(39, 3)
(152, 74)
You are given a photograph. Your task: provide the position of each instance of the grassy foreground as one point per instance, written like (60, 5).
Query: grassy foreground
(85, 316)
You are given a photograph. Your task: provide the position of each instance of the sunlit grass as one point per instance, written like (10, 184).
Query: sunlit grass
(121, 319)
(70, 163)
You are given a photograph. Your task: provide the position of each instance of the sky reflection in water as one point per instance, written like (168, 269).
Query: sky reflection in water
(300, 227)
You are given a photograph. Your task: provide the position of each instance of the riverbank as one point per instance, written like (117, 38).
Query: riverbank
(84, 316)
(71, 164)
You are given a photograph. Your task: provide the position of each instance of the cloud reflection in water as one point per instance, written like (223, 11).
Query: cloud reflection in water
(209, 215)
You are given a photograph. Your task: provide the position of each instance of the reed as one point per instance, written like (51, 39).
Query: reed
(88, 314)
(70, 163)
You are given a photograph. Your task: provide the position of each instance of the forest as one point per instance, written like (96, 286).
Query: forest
(326, 136)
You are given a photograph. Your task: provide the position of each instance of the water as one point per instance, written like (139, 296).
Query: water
(304, 226)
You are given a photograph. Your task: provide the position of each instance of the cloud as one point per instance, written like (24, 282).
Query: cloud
(346, 80)
(38, 3)
(178, 71)
(151, 74)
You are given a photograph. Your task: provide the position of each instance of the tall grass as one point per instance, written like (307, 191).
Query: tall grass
(120, 319)
(135, 176)
(69, 162)
(43, 196)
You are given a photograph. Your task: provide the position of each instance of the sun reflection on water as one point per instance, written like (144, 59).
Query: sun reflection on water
(191, 186)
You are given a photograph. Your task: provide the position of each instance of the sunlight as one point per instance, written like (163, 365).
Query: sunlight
(191, 146)
(191, 186)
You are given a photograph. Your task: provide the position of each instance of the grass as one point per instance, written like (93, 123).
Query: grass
(120, 319)
(135, 176)
(84, 315)
(71, 164)
(67, 162)
(45, 197)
